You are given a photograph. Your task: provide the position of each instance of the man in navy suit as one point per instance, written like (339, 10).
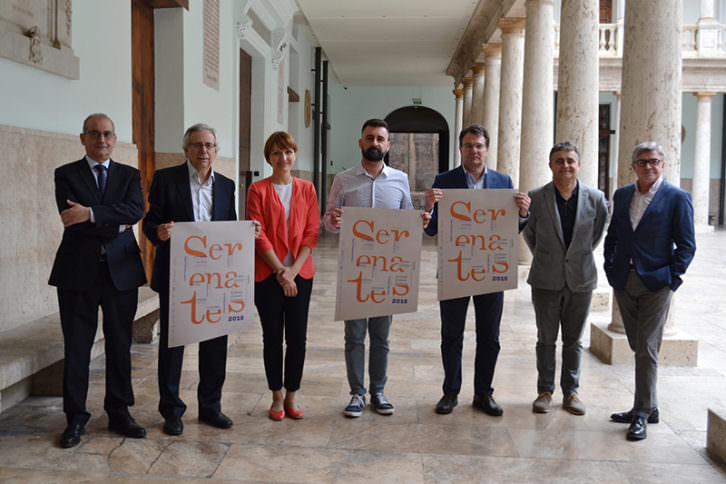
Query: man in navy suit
(98, 264)
(648, 246)
(190, 192)
(473, 173)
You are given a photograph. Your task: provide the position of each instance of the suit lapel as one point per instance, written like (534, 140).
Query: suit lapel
(218, 194)
(184, 191)
(461, 177)
(554, 214)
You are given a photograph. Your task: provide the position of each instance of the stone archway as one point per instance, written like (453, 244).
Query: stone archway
(419, 146)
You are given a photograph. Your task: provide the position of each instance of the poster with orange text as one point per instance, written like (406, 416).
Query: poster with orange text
(379, 256)
(477, 242)
(211, 280)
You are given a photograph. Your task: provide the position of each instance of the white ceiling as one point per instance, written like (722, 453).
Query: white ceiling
(389, 42)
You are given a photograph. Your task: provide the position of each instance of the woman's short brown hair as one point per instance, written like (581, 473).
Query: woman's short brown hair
(281, 139)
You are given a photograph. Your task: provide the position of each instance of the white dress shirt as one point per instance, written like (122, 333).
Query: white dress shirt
(640, 202)
(201, 194)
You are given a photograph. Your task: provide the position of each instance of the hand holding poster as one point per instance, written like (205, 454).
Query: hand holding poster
(378, 262)
(477, 242)
(211, 280)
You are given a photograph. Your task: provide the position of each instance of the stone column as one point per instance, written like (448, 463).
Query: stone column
(702, 162)
(510, 97)
(459, 93)
(490, 120)
(616, 143)
(467, 81)
(708, 31)
(477, 94)
(577, 85)
(537, 101)
(652, 72)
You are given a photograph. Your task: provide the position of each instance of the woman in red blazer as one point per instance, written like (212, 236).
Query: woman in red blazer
(287, 209)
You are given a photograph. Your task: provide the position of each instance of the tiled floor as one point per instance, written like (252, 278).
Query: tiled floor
(415, 444)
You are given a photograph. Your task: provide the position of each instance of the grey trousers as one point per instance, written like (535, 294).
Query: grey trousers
(552, 309)
(355, 336)
(644, 316)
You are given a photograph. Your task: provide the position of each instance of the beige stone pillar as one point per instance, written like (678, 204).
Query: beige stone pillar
(510, 97)
(490, 120)
(616, 144)
(467, 81)
(577, 86)
(707, 39)
(477, 94)
(702, 163)
(459, 93)
(652, 72)
(537, 101)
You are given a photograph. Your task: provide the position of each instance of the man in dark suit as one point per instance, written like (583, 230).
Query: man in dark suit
(190, 192)
(98, 264)
(649, 244)
(565, 224)
(473, 174)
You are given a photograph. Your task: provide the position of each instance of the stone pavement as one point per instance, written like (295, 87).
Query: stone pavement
(415, 444)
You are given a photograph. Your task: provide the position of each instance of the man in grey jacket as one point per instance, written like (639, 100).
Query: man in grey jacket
(566, 223)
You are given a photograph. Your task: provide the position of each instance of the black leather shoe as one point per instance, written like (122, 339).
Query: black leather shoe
(173, 426)
(127, 427)
(637, 428)
(71, 436)
(219, 420)
(447, 404)
(627, 417)
(487, 404)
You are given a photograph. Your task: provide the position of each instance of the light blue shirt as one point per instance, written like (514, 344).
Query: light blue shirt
(355, 187)
(471, 183)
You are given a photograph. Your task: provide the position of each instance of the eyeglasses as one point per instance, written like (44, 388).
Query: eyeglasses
(97, 134)
(470, 146)
(652, 162)
(199, 146)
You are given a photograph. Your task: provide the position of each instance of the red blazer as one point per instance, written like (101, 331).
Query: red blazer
(264, 205)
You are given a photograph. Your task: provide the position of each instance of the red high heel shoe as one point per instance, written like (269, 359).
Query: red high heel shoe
(277, 415)
(294, 413)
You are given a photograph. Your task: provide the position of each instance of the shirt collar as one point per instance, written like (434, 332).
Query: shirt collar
(91, 162)
(194, 174)
(653, 188)
(360, 170)
(470, 177)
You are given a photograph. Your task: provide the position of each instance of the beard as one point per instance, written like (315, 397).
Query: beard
(373, 154)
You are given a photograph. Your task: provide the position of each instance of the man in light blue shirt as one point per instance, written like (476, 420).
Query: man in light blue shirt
(371, 184)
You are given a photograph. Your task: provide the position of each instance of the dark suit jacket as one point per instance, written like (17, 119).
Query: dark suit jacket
(662, 245)
(456, 178)
(170, 199)
(555, 266)
(77, 259)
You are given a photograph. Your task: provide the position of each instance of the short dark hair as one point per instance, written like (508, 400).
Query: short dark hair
(476, 129)
(564, 146)
(97, 115)
(375, 123)
(282, 140)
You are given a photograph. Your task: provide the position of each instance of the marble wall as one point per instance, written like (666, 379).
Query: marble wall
(32, 228)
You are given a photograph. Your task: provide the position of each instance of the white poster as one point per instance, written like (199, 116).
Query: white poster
(477, 242)
(379, 255)
(211, 280)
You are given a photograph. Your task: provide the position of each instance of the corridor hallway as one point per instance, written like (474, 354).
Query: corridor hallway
(415, 444)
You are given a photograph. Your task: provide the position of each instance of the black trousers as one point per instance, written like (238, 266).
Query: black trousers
(288, 315)
(488, 315)
(212, 370)
(79, 321)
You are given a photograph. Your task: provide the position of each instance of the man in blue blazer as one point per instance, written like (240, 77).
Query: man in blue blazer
(190, 192)
(648, 246)
(473, 174)
(565, 224)
(98, 264)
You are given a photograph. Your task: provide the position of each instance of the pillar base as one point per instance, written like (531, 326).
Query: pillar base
(677, 349)
(716, 434)
(703, 229)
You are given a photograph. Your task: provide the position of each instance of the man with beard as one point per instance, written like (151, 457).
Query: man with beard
(376, 185)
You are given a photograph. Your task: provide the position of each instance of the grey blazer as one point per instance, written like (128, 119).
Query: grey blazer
(553, 265)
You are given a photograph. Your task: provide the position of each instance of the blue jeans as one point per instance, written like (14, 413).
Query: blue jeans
(355, 335)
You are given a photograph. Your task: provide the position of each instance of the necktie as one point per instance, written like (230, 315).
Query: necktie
(101, 171)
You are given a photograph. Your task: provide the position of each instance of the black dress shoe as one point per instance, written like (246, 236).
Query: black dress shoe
(218, 419)
(627, 417)
(173, 426)
(127, 427)
(447, 403)
(71, 436)
(487, 404)
(637, 428)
